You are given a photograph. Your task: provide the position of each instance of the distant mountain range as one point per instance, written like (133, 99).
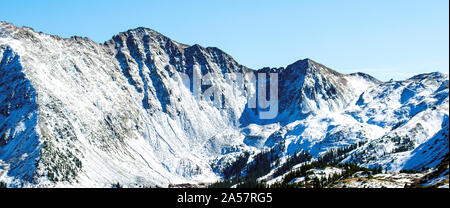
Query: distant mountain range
(76, 113)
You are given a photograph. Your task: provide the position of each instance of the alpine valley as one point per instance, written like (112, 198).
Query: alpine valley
(76, 113)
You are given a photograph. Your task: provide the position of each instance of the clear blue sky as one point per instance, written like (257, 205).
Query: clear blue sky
(385, 38)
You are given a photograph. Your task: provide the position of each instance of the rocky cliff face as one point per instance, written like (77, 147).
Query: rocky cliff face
(77, 113)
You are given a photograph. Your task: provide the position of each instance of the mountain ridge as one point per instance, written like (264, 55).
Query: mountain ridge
(78, 113)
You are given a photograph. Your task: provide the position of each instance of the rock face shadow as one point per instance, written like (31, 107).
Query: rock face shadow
(19, 140)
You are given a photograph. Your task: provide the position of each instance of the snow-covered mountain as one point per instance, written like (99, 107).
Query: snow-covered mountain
(78, 113)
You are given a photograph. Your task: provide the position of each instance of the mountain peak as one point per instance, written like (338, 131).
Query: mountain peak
(365, 76)
(7, 28)
(6, 24)
(146, 31)
(307, 65)
(431, 75)
(144, 34)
